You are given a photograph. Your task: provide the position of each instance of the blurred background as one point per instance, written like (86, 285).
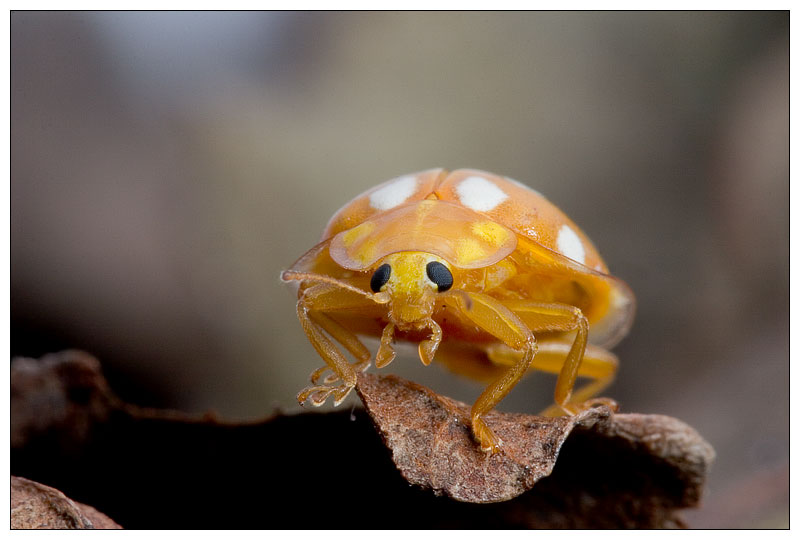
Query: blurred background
(165, 167)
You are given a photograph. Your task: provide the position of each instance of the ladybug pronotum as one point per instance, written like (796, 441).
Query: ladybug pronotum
(487, 275)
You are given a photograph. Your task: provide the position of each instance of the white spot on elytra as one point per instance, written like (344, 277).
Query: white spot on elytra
(570, 244)
(479, 194)
(523, 186)
(393, 194)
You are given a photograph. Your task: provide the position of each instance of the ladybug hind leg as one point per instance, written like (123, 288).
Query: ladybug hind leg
(568, 361)
(598, 364)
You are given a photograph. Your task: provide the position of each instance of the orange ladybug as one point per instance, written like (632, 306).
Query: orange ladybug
(483, 272)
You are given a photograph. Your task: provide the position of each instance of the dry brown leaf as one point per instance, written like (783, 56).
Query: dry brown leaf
(150, 468)
(432, 445)
(36, 506)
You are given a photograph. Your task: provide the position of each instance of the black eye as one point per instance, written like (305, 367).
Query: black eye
(439, 274)
(380, 277)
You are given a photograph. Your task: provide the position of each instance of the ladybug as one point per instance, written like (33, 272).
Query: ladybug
(483, 272)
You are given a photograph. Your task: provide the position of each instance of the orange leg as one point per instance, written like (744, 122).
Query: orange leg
(493, 317)
(386, 352)
(348, 340)
(597, 364)
(551, 317)
(311, 311)
(428, 347)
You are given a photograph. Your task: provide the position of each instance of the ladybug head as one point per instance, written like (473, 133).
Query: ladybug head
(411, 280)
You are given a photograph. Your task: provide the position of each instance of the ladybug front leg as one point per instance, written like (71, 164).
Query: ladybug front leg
(347, 339)
(493, 317)
(311, 311)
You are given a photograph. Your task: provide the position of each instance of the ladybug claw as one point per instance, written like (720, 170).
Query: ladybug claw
(318, 395)
(490, 443)
(571, 409)
(340, 393)
(597, 402)
(319, 398)
(317, 380)
(330, 379)
(317, 375)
